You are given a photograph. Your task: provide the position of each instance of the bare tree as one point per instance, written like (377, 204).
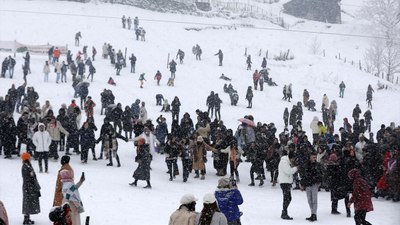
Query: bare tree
(374, 57)
(384, 16)
(315, 46)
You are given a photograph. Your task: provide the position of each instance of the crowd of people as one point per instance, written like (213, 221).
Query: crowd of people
(344, 161)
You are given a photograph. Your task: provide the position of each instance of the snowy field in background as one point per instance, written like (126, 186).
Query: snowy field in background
(106, 195)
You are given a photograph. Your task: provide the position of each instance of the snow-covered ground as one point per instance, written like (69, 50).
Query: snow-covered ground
(106, 195)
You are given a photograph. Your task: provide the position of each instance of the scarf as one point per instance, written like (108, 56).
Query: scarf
(71, 193)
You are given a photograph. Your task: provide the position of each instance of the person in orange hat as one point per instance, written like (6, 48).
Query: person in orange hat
(30, 189)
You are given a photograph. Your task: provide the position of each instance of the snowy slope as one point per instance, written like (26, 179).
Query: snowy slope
(107, 197)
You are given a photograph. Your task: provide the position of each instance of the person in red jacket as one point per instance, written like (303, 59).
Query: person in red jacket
(361, 197)
(56, 54)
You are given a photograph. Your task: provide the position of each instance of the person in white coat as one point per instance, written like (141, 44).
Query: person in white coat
(315, 129)
(149, 138)
(46, 71)
(42, 140)
(285, 178)
(325, 102)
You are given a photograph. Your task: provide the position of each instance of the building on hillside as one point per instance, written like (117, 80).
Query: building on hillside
(328, 11)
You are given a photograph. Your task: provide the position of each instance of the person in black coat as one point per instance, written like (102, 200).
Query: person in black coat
(249, 97)
(86, 140)
(81, 68)
(27, 62)
(356, 113)
(22, 131)
(30, 190)
(4, 67)
(175, 105)
(210, 103)
(8, 132)
(335, 173)
(127, 123)
(110, 143)
(172, 150)
(143, 158)
(172, 68)
(83, 93)
(116, 117)
(13, 93)
(133, 62)
(311, 178)
(217, 106)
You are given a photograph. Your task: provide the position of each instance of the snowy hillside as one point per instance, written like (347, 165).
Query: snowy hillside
(107, 197)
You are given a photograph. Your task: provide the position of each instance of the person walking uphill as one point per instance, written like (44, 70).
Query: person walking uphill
(186, 213)
(30, 190)
(143, 158)
(361, 197)
(311, 178)
(285, 178)
(229, 198)
(342, 86)
(249, 97)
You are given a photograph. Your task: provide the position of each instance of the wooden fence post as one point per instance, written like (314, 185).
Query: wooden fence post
(168, 61)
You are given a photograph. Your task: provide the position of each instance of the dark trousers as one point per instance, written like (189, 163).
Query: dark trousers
(217, 113)
(359, 217)
(186, 168)
(210, 108)
(172, 167)
(202, 172)
(335, 203)
(287, 195)
(53, 149)
(62, 141)
(274, 175)
(43, 156)
(84, 153)
(233, 169)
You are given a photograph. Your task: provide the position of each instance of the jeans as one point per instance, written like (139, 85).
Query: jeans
(53, 153)
(312, 197)
(172, 167)
(58, 77)
(46, 77)
(287, 195)
(43, 156)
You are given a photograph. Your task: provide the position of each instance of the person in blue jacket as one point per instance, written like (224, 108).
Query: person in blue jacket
(229, 199)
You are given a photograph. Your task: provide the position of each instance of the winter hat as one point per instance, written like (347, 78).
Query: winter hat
(223, 182)
(25, 156)
(199, 138)
(187, 199)
(66, 176)
(209, 198)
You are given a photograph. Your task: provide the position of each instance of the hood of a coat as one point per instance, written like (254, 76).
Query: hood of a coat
(354, 173)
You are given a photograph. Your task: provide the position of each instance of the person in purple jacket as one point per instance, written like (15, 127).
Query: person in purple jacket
(229, 199)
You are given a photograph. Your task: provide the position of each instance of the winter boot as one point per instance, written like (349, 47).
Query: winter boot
(118, 163)
(196, 176)
(111, 162)
(148, 186)
(134, 183)
(285, 216)
(334, 208)
(261, 182)
(101, 156)
(312, 218)
(202, 177)
(348, 212)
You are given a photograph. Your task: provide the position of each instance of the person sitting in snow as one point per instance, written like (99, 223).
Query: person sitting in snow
(111, 81)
